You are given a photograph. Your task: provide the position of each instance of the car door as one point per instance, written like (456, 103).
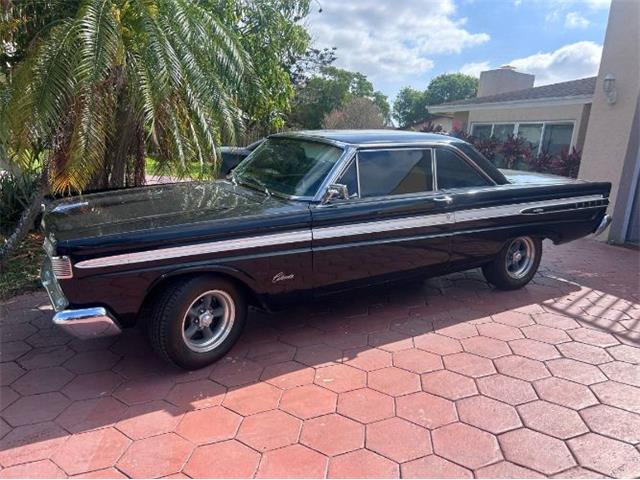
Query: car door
(392, 225)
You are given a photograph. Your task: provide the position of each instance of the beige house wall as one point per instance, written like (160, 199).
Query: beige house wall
(611, 143)
(578, 114)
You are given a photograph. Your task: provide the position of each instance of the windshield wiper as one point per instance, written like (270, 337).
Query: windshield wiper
(253, 182)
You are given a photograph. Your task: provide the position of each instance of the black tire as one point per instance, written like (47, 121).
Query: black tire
(504, 275)
(166, 325)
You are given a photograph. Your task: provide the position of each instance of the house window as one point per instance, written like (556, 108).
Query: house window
(551, 137)
(557, 137)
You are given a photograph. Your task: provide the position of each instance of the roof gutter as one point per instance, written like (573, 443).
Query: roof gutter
(528, 103)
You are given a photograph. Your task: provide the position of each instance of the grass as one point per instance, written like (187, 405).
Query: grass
(21, 274)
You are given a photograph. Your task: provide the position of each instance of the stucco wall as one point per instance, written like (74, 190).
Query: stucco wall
(611, 143)
(573, 113)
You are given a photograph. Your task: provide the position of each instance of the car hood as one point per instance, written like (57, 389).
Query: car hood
(163, 213)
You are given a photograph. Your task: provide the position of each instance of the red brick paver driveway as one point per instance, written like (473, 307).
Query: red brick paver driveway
(435, 379)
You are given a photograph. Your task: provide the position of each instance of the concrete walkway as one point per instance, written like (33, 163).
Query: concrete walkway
(435, 379)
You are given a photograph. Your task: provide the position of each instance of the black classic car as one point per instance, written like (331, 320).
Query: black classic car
(304, 215)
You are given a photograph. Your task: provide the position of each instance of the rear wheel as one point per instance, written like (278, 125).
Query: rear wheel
(195, 322)
(516, 264)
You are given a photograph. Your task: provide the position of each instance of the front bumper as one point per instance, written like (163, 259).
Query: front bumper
(86, 323)
(604, 223)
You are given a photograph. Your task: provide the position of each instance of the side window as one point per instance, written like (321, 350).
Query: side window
(350, 179)
(454, 172)
(394, 172)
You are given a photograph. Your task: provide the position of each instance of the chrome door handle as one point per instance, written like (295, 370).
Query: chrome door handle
(443, 198)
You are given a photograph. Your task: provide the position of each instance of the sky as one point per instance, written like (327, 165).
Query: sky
(399, 43)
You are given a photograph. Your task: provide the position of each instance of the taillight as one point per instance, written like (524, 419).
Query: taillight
(61, 267)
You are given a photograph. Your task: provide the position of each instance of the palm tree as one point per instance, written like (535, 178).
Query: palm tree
(114, 79)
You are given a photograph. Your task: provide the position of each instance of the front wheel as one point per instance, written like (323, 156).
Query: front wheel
(516, 264)
(195, 322)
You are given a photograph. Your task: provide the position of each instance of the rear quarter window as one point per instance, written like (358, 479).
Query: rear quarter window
(454, 172)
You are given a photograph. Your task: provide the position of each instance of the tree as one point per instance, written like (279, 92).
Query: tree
(331, 89)
(409, 107)
(449, 87)
(358, 113)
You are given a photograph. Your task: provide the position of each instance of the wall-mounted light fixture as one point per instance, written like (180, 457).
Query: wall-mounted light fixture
(609, 88)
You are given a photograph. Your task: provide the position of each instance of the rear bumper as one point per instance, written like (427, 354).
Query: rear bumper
(604, 223)
(86, 323)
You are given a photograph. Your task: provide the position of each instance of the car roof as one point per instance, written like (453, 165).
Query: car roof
(369, 137)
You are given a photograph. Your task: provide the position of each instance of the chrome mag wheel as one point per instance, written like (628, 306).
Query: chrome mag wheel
(520, 257)
(208, 321)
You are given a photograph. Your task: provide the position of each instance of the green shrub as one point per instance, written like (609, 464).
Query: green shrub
(16, 192)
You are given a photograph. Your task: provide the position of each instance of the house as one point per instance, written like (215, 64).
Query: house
(551, 117)
(600, 116)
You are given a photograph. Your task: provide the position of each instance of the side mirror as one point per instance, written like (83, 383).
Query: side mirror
(336, 191)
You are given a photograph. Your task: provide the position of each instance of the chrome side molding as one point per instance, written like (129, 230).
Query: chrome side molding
(87, 323)
(606, 220)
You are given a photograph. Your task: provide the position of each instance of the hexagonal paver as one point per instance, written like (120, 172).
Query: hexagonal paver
(537, 451)
(155, 387)
(585, 353)
(91, 451)
(92, 361)
(157, 456)
(232, 372)
(625, 353)
(209, 425)
(362, 464)
(40, 469)
(486, 347)
(42, 357)
(10, 372)
(318, 355)
(513, 318)
(251, 399)
(42, 380)
(546, 334)
(14, 350)
(112, 473)
(448, 384)
(613, 422)
(622, 372)
(522, 367)
(469, 364)
(340, 378)
(566, 393)
(232, 460)
(618, 395)
(288, 375)
(390, 341)
(417, 361)
(552, 419)
(499, 331)
(269, 430)
(398, 440)
(92, 385)
(555, 320)
(394, 381)
(466, 445)
(365, 405)
(332, 434)
(576, 371)
(149, 419)
(593, 337)
(458, 331)
(488, 414)
(427, 410)
(35, 408)
(294, 461)
(607, 456)
(308, 401)
(90, 414)
(269, 353)
(506, 470)
(534, 349)
(433, 466)
(31, 443)
(507, 389)
(367, 359)
(7, 396)
(197, 394)
(438, 344)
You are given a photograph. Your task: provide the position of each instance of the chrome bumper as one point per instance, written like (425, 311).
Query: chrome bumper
(606, 220)
(86, 323)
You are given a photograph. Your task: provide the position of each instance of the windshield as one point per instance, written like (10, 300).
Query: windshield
(288, 166)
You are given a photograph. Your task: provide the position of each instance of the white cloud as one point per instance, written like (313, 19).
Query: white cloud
(576, 60)
(474, 68)
(575, 20)
(391, 40)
